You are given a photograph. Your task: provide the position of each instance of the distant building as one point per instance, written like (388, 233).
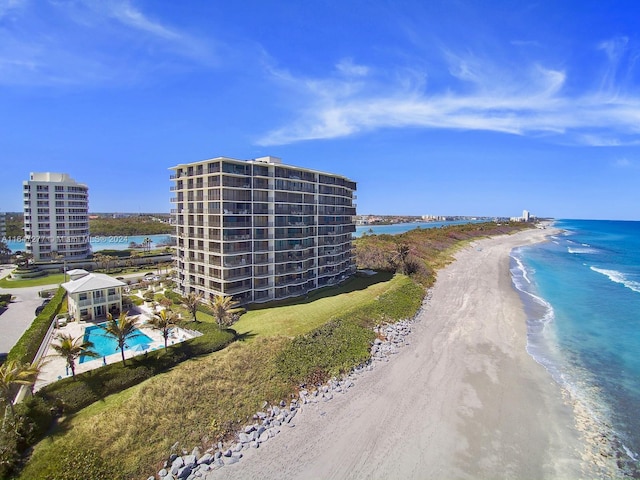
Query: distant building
(526, 216)
(56, 223)
(260, 230)
(91, 296)
(3, 226)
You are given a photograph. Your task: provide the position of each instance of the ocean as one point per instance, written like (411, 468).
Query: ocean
(581, 292)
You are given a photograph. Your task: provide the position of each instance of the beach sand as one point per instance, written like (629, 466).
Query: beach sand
(463, 400)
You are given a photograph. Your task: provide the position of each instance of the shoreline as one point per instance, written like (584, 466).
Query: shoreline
(463, 400)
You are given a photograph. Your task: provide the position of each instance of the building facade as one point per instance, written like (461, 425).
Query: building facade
(91, 296)
(56, 217)
(260, 230)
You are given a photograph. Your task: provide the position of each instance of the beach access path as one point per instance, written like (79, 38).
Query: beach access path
(463, 400)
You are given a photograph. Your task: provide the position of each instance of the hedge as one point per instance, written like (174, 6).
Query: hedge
(25, 350)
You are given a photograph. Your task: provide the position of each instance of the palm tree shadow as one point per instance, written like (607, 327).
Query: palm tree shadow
(241, 337)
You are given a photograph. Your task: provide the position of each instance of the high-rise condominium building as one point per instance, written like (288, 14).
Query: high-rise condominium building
(260, 230)
(3, 226)
(56, 217)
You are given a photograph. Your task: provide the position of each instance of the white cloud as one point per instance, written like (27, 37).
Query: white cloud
(480, 96)
(623, 163)
(92, 42)
(348, 68)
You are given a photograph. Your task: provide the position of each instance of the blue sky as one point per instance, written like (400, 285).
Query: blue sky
(439, 107)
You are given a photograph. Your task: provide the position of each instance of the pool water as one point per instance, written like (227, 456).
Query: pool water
(105, 345)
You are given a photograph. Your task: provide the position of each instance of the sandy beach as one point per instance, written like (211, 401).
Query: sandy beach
(463, 400)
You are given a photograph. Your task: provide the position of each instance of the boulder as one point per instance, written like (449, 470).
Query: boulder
(189, 460)
(184, 472)
(206, 459)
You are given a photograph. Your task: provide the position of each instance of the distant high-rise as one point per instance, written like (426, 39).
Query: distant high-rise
(526, 216)
(3, 225)
(260, 230)
(56, 217)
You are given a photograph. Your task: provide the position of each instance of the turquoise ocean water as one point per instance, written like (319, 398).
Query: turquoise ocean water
(581, 292)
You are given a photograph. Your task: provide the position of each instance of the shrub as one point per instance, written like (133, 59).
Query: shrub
(333, 348)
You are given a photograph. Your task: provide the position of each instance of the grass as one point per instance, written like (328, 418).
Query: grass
(304, 315)
(195, 404)
(51, 279)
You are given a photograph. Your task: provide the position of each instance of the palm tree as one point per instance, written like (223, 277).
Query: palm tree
(223, 307)
(163, 322)
(191, 303)
(146, 243)
(73, 348)
(14, 373)
(122, 329)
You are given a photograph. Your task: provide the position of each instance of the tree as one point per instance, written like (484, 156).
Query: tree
(5, 251)
(163, 322)
(191, 303)
(13, 373)
(23, 259)
(73, 348)
(122, 329)
(146, 243)
(223, 307)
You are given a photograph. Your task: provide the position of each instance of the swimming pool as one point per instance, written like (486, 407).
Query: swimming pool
(104, 344)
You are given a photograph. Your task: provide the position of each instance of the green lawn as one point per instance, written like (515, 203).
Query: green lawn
(53, 279)
(304, 315)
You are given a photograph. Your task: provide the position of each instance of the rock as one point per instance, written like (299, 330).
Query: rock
(151, 478)
(217, 455)
(172, 457)
(189, 460)
(184, 472)
(196, 452)
(260, 430)
(176, 465)
(244, 438)
(206, 459)
(232, 460)
(255, 444)
(282, 403)
(228, 453)
(237, 448)
(248, 429)
(163, 472)
(264, 437)
(275, 411)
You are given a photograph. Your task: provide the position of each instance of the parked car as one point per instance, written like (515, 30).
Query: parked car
(41, 307)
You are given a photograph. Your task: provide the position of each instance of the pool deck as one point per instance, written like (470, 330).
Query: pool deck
(54, 367)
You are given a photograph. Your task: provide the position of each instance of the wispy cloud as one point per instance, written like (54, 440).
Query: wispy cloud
(530, 100)
(110, 42)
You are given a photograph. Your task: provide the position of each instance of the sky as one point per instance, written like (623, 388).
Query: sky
(452, 107)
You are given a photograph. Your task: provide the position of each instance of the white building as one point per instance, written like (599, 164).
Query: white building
(91, 296)
(56, 217)
(260, 230)
(526, 216)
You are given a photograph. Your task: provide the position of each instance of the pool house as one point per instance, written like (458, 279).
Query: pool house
(92, 295)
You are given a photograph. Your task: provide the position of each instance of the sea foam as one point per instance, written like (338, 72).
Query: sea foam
(618, 277)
